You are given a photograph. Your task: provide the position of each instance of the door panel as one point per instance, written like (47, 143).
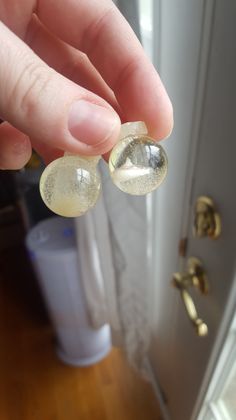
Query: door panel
(179, 357)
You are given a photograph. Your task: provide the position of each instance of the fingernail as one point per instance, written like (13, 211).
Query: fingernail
(90, 123)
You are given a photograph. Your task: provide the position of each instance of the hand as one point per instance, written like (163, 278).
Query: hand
(69, 71)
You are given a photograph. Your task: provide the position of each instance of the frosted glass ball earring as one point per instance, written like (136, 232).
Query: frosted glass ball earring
(137, 164)
(70, 185)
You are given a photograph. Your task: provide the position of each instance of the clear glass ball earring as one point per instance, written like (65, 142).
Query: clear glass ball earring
(70, 185)
(137, 164)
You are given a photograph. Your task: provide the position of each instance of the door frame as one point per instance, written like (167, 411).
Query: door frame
(220, 361)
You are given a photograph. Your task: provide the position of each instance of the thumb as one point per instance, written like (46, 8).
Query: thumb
(48, 107)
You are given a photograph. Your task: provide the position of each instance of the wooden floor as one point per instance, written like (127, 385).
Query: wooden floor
(34, 385)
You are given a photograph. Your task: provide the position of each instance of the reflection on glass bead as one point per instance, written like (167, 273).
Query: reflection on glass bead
(137, 164)
(70, 185)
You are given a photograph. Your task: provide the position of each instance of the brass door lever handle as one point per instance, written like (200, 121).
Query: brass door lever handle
(196, 277)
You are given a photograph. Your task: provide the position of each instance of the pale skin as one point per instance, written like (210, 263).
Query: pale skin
(70, 72)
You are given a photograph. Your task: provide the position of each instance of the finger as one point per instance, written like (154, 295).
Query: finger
(47, 106)
(97, 28)
(68, 61)
(15, 147)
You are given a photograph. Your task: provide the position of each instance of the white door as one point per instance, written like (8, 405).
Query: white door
(196, 56)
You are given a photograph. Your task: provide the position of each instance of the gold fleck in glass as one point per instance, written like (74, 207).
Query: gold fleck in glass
(70, 185)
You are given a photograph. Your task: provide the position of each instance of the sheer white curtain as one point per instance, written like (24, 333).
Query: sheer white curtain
(112, 244)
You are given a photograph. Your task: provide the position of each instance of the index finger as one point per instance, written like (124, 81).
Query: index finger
(97, 28)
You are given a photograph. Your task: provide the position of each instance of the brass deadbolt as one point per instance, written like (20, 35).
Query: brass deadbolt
(207, 221)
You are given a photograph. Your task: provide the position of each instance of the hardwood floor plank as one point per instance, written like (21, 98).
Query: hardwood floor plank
(35, 385)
